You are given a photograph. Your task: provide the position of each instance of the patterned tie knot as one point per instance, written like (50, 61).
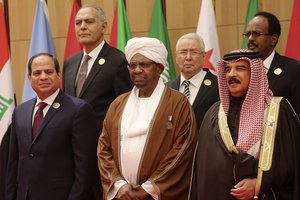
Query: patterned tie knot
(186, 83)
(42, 105)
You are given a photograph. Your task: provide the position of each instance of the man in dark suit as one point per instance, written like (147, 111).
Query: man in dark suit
(107, 76)
(283, 73)
(52, 149)
(202, 89)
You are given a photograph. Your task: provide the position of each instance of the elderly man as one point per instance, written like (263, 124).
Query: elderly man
(249, 142)
(198, 84)
(146, 147)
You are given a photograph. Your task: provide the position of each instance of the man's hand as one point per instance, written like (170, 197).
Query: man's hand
(244, 190)
(129, 192)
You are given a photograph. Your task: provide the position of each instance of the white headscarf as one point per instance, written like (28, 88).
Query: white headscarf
(151, 48)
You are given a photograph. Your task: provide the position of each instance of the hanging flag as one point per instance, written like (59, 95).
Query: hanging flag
(72, 45)
(41, 42)
(293, 42)
(120, 30)
(252, 10)
(207, 30)
(7, 101)
(158, 29)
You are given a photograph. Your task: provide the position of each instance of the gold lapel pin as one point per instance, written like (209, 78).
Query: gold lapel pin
(56, 105)
(101, 61)
(207, 82)
(277, 71)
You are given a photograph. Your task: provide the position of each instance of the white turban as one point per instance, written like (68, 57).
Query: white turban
(151, 48)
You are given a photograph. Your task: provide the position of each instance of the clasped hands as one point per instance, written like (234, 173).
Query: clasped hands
(244, 190)
(131, 192)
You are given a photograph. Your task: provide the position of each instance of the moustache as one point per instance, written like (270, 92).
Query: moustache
(252, 43)
(233, 80)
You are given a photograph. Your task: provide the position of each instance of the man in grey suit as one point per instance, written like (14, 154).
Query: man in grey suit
(202, 89)
(283, 73)
(52, 149)
(107, 75)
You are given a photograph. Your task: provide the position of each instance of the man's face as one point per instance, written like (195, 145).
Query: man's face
(144, 73)
(238, 76)
(43, 78)
(265, 44)
(189, 57)
(88, 27)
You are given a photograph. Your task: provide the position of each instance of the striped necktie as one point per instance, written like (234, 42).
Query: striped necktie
(186, 91)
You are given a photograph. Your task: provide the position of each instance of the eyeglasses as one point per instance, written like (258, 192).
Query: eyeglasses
(254, 34)
(142, 65)
(193, 53)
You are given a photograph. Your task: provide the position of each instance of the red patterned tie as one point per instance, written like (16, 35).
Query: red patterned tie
(38, 118)
(82, 74)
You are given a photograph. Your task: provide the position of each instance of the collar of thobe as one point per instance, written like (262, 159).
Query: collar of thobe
(133, 106)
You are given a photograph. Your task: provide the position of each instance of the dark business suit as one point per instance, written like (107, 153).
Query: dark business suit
(60, 163)
(205, 98)
(287, 83)
(104, 82)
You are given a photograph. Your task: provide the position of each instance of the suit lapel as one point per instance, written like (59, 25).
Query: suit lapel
(203, 90)
(29, 112)
(73, 73)
(96, 67)
(272, 77)
(56, 106)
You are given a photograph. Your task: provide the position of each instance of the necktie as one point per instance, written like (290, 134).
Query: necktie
(38, 118)
(82, 74)
(186, 91)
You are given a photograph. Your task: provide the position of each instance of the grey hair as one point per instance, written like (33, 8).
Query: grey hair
(99, 9)
(191, 36)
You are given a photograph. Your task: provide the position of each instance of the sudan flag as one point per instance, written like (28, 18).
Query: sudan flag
(120, 31)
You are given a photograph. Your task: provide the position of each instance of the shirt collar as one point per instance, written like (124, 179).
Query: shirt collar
(195, 80)
(268, 60)
(95, 52)
(49, 100)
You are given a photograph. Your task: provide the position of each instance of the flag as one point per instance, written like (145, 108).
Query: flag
(252, 10)
(207, 30)
(41, 42)
(293, 42)
(7, 101)
(120, 30)
(72, 45)
(158, 29)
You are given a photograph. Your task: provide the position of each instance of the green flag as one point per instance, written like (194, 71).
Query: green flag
(120, 30)
(252, 10)
(158, 29)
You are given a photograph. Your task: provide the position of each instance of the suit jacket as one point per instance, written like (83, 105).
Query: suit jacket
(60, 163)
(205, 98)
(287, 83)
(104, 82)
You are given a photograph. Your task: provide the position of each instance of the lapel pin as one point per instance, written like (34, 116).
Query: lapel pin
(56, 105)
(277, 71)
(101, 61)
(207, 82)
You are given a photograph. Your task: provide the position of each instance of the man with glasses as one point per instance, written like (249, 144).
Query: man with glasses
(198, 84)
(283, 73)
(146, 148)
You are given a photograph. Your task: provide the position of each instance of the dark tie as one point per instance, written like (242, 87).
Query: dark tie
(186, 91)
(38, 118)
(82, 74)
